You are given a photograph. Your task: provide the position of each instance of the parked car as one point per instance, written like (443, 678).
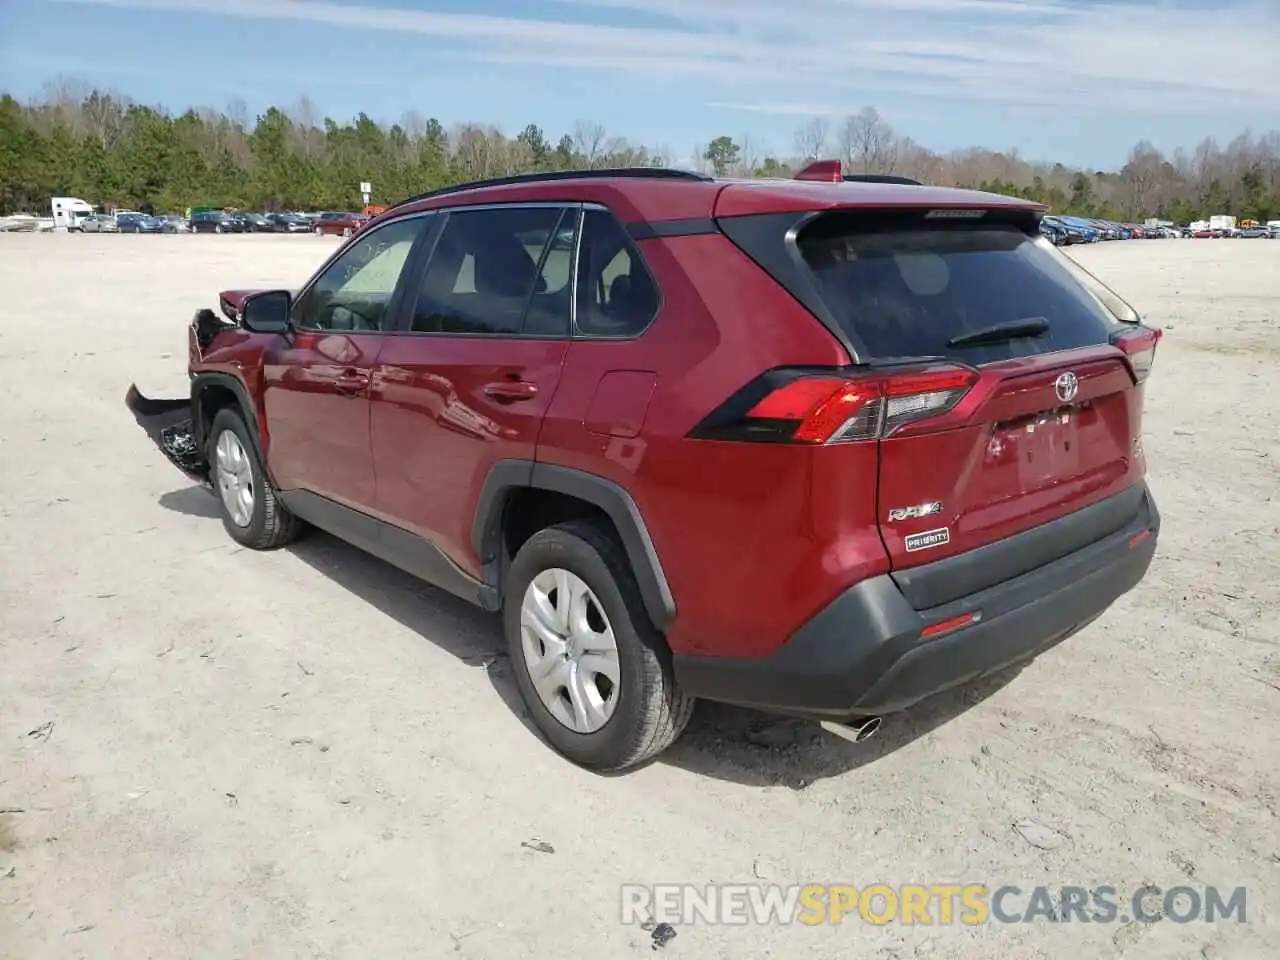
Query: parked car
(1055, 234)
(341, 224)
(1088, 231)
(175, 223)
(138, 223)
(99, 223)
(1069, 232)
(289, 223)
(215, 221)
(668, 497)
(254, 222)
(1253, 232)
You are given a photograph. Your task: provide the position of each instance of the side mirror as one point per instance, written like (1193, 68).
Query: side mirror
(266, 312)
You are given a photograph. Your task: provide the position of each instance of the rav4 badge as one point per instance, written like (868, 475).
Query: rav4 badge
(919, 510)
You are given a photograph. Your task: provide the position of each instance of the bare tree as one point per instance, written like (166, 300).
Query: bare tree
(750, 150)
(812, 139)
(868, 143)
(588, 141)
(238, 113)
(103, 116)
(306, 127)
(477, 151)
(1141, 178)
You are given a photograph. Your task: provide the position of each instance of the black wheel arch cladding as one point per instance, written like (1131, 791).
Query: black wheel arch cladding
(200, 383)
(507, 476)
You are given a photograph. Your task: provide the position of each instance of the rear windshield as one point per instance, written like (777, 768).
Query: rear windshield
(906, 292)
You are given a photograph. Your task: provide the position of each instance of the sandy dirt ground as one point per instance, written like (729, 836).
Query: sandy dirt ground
(213, 753)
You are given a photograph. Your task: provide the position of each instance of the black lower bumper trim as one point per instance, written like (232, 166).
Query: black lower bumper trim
(169, 425)
(863, 654)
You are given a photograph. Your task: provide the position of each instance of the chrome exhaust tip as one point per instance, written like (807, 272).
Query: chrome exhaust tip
(855, 731)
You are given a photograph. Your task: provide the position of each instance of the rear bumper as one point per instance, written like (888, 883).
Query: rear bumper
(864, 655)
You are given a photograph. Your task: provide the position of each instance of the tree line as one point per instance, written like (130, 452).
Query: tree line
(77, 140)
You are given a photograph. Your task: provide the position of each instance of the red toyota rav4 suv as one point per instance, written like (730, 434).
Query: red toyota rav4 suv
(818, 446)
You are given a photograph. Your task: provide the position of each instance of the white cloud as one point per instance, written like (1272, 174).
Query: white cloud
(771, 56)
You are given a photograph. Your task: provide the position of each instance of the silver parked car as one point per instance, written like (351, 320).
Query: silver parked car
(100, 223)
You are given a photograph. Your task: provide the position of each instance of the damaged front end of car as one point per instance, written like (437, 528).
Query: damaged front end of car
(171, 424)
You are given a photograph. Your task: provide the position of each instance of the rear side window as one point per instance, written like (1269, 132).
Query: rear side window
(909, 290)
(616, 295)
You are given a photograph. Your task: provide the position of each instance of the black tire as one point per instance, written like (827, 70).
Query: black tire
(651, 711)
(217, 228)
(270, 525)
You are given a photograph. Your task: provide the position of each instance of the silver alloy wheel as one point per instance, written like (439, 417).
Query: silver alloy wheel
(569, 650)
(235, 478)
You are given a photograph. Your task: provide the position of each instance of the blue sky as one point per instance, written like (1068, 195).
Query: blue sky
(1072, 80)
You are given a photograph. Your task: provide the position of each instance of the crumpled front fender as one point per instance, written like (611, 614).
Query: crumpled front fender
(170, 426)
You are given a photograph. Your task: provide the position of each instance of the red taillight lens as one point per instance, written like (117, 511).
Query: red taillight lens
(817, 409)
(1139, 346)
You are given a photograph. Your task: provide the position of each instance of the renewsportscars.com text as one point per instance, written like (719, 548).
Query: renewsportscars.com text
(927, 904)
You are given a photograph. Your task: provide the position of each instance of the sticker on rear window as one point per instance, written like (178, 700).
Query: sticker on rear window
(930, 538)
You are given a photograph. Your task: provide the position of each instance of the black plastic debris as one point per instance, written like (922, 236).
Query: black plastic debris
(662, 934)
(207, 325)
(179, 445)
(169, 425)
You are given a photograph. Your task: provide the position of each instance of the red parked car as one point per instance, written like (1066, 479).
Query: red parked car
(820, 448)
(340, 224)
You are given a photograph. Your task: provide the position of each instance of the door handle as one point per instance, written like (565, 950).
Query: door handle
(509, 391)
(351, 383)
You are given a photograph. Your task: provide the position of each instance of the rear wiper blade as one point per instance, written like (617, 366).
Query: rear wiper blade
(1002, 332)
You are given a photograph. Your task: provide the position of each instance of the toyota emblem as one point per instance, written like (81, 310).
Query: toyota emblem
(1066, 387)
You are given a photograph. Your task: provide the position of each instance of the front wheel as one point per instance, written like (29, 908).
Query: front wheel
(250, 511)
(346, 231)
(592, 670)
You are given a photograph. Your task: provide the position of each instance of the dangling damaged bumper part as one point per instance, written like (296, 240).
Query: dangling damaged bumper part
(170, 426)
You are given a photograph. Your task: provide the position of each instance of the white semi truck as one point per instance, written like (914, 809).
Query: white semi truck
(69, 212)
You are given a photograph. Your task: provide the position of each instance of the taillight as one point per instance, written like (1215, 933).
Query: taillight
(822, 408)
(1139, 346)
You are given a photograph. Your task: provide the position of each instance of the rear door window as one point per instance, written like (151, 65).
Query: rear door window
(501, 271)
(906, 291)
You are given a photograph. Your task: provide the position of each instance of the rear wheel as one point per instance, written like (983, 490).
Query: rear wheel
(593, 672)
(250, 511)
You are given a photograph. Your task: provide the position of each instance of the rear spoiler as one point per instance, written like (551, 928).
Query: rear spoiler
(830, 171)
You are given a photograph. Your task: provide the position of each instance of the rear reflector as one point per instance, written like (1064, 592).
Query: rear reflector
(825, 408)
(1139, 346)
(953, 623)
(1137, 538)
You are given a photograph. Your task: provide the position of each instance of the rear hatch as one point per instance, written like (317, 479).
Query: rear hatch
(1001, 381)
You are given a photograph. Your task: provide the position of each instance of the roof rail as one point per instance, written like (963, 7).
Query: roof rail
(881, 178)
(830, 171)
(648, 173)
